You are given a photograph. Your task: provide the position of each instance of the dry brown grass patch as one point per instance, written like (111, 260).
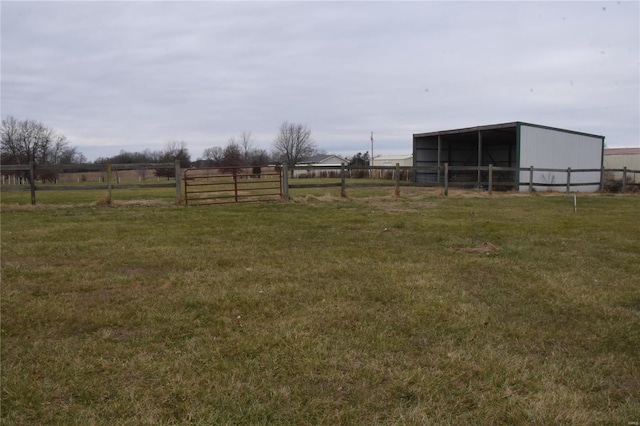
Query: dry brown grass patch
(484, 248)
(103, 202)
(317, 199)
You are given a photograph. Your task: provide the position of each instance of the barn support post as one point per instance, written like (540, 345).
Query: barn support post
(490, 179)
(602, 180)
(285, 182)
(178, 183)
(568, 180)
(479, 157)
(396, 190)
(624, 178)
(32, 182)
(439, 156)
(530, 178)
(343, 182)
(446, 179)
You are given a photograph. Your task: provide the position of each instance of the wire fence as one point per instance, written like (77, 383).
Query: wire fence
(32, 177)
(489, 178)
(278, 180)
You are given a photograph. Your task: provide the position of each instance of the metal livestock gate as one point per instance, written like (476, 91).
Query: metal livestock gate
(224, 185)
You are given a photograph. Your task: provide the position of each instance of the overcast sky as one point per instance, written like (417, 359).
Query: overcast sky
(129, 76)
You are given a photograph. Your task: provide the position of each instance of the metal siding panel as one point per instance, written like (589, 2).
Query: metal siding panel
(425, 153)
(630, 161)
(547, 148)
(616, 161)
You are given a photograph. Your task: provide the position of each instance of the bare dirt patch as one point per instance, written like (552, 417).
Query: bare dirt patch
(309, 199)
(484, 248)
(131, 203)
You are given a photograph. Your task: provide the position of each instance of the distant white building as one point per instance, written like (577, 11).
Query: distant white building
(392, 160)
(320, 165)
(619, 158)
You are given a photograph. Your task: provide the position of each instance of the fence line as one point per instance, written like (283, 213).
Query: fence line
(445, 176)
(485, 176)
(31, 170)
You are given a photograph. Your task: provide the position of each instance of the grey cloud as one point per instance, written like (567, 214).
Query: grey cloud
(135, 74)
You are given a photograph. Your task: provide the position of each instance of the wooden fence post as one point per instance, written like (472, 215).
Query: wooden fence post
(530, 178)
(178, 183)
(285, 182)
(343, 182)
(446, 179)
(109, 182)
(235, 184)
(490, 179)
(602, 180)
(32, 182)
(624, 178)
(568, 180)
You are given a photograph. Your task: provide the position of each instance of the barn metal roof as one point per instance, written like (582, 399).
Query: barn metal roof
(500, 126)
(622, 151)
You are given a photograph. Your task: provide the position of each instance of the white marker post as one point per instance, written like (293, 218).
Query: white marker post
(371, 157)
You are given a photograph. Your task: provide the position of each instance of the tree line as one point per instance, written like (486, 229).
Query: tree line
(25, 141)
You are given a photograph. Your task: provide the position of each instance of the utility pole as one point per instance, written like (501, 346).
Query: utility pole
(371, 157)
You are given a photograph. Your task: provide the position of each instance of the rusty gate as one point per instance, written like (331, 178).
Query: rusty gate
(223, 185)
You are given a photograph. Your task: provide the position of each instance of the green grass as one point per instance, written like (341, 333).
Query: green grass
(322, 311)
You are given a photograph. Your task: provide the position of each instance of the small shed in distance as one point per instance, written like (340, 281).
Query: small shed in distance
(619, 158)
(392, 160)
(514, 145)
(321, 165)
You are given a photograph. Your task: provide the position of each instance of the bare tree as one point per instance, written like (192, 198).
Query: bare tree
(212, 156)
(61, 153)
(293, 144)
(177, 150)
(232, 155)
(11, 149)
(24, 141)
(174, 151)
(247, 142)
(258, 157)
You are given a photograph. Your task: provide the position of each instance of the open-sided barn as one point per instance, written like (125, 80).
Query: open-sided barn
(512, 145)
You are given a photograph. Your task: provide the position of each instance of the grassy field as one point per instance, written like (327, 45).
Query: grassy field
(470, 309)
